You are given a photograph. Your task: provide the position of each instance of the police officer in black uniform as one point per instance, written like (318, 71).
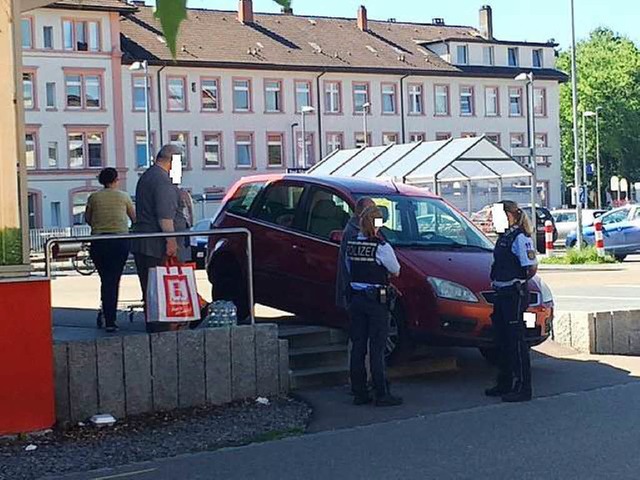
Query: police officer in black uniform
(513, 266)
(370, 261)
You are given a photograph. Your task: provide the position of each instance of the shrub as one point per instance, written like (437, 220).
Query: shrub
(585, 256)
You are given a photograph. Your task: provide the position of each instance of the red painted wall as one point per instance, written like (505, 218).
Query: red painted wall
(26, 357)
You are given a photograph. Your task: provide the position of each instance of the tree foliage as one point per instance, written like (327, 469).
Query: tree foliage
(608, 77)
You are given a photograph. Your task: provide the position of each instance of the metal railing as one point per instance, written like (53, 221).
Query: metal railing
(48, 250)
(38, 236)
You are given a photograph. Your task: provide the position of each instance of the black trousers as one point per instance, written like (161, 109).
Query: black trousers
(369, 330)
(509, 330)
(143, 264)
(109, 257)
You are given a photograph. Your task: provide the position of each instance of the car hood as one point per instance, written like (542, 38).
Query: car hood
(471, 269)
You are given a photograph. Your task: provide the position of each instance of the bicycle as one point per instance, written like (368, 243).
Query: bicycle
(82, 262)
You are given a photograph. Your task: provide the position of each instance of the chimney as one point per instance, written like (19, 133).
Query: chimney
(245, 11)
(363, 23)
(486, 22)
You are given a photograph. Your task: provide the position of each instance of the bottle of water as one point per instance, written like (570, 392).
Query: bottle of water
(233, 314)
(212, 315)
(225, 314)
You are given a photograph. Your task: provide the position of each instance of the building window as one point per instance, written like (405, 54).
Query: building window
(51, 95)
(212, 150)
(463, 54)
(56, 221)
(442, 100)
(443, 136)
(488, 56)
(31, 150)
(388, 99)
(29, 90)
(537, 59)
(52, 154)
(83, 91)
(139, 100)
(513, 56)
(78, 206)
(335, 141)
(81, 36)
(242, 95)
(303, 95)
(360, 96)
(542, 141)
(389, 138)
(210, 95)
(86, 149)
(273, 96)
(177, 94)
(333, 97)
(27, 33)
(181, 140)
(360, 140)
(416, 99)
(466, 101)
(47, 37)
(491, 101)
(416, 137)
(515, 102)
(275, 150)
(516, 140)
(494, 137)
(33, 209)
(468, 135)
(309, 147)
(244, 150)
(540, 102)
(143, 156)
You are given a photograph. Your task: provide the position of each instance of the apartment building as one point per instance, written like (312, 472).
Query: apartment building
(243, 83)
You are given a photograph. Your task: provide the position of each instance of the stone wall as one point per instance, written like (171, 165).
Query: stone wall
(129, 375)
(616, 333)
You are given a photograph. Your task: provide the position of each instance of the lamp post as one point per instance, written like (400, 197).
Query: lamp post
(531, 120)
(365, 112)
(144, 66)
(293, 144)
(576, 155)
(303, 112)
(599, 173)
(585, 115)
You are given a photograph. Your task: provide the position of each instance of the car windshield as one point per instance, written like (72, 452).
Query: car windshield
(615, 216)
(429, 223)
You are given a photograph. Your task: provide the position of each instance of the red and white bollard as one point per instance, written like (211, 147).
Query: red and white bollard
(548, 237)
(599, 238)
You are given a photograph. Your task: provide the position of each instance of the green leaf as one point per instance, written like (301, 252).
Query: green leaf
(171, 13)
(284, 3)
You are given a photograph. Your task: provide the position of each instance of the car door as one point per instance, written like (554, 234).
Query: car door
(613, 224)
(326, 211)
(632, 231)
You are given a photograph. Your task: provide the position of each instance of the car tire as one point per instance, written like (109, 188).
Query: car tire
(491, 355)
(620, 257)
(229, 283)
(400, 345)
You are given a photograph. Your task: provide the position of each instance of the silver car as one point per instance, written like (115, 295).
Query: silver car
(566, 221)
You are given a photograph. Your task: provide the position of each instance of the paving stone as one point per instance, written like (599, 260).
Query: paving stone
(562, 328)
(61, 379)
(267, 360)
(137, 373)
(217, 346)
(191, 384)
(243, 362)
(284, 375)
(583, 332)
(164, 368)
(111, 397)
(604, 333)
(83, 380)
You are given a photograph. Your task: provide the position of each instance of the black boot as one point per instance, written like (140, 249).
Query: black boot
(497, 391)
(519, 394)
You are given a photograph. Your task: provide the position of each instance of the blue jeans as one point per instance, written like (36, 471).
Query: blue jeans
(110, 257)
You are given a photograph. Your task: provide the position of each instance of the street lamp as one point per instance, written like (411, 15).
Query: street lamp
(303, 112)
(293, 144)
(599, 174)
(531, 120)
(137, 67)
(576, 155)
(585, 179)
(365, 111)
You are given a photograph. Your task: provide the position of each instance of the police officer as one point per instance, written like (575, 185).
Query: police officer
(513, 265)
(370, 262)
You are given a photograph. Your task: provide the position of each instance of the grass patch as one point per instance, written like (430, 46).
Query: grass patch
(277, 435)
(10, 246)
(586, 256)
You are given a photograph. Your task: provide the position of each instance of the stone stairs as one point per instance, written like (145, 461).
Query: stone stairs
(318, 356)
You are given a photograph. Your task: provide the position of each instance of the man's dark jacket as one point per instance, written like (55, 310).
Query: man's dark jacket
(343, 278)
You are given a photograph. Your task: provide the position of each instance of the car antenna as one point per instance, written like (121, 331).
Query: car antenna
(393, 182)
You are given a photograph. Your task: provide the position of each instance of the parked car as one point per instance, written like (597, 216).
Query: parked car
(566, 221)
(482, 219)
(621, 231)
(199, 244)
(296, 223)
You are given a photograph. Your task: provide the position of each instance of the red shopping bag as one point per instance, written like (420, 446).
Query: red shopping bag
(172, 295)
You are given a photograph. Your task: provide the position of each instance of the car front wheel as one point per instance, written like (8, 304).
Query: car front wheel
(491, 355)
(399, 343)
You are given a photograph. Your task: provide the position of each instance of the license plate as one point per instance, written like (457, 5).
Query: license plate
(200, 255)
(530, 319)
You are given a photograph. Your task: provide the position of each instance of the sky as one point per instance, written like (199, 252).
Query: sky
(530, 20)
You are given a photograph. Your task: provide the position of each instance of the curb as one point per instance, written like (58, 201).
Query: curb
(581, 268)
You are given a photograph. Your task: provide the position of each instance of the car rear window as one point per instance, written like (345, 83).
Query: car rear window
(243, 198)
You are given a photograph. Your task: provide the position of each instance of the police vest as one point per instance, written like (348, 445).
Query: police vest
(362, 262)
(506, 265)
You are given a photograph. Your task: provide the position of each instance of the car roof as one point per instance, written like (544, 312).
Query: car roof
(354, 186)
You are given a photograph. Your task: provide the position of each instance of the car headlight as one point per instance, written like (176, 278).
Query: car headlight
(451, 290)
(545, 292)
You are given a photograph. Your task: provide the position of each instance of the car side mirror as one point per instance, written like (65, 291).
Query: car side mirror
(336, 236)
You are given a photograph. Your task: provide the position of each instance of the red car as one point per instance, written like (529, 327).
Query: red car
(296, 222)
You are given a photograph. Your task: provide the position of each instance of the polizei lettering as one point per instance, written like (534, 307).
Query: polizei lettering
(362, 251)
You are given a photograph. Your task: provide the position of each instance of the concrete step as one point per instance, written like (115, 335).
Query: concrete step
(319, 377)
(318, 356)
(302, 336)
